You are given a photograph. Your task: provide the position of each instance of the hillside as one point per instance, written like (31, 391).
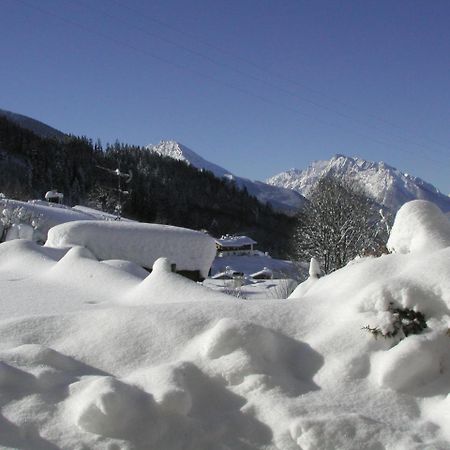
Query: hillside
(280, 198)
(162, 190)
(37, 127)
(388, 185)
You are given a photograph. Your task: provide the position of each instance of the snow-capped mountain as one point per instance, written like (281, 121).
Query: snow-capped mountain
(280, 198)
(388, 185)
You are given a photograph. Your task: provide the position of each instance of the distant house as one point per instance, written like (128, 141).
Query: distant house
(235, 245)
(54, 197)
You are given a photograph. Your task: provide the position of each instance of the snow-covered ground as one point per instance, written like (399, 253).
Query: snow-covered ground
(45, 215)
(98, 355)
(249, 264)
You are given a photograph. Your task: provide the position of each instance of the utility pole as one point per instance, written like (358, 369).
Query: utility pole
(126, 176)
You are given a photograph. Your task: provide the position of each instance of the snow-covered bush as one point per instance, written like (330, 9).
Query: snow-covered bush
(402, 321)
(17, 222)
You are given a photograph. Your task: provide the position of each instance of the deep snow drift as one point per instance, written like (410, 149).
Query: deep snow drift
(95, 355)
(141, 243)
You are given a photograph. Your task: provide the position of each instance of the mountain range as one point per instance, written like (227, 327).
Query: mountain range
(387, 185)
(286, 191)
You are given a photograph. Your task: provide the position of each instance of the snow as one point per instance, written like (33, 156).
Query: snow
(387, 185)
(419, 226)
(249, 264)
(99, 355)
(264, 273)
(140, 243)
(400, 369)
(235, 241)
(46, 214)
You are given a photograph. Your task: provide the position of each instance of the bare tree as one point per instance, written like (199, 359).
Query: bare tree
(339, 223)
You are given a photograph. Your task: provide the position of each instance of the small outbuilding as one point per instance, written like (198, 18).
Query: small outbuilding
(54, 196)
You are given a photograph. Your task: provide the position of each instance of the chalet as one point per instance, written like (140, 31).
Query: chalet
(235, 245)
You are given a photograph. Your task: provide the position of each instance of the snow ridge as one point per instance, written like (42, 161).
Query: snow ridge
(388, 185)
(180, 152)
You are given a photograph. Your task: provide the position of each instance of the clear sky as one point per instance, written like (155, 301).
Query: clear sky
(256, 86)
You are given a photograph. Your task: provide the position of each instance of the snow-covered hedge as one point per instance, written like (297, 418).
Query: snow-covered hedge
(141, 243)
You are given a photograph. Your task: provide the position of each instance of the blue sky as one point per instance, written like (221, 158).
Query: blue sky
(256, 86)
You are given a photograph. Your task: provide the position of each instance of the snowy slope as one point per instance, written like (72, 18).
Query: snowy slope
(280, 198)
(389, 186)
(94, 355)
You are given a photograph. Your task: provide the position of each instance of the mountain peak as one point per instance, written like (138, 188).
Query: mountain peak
(281, 199)
(180, 152)
(386, 184)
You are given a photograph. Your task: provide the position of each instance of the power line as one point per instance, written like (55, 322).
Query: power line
(214, 79)
(251, 63)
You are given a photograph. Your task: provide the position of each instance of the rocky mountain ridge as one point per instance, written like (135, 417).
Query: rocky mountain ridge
(386, 184)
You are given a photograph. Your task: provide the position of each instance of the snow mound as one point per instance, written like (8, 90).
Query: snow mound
(165, 286)
(141, 243)
(126, 266)
(413, 362)
(346, 432)
(169, 385)
(244, 352)
(109, 407)
(419, 226)
(94, 355)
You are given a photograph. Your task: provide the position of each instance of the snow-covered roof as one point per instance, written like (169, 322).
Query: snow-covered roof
(223, 276)
(142, 243)
(53, 194)
(234, 241)
(264, 273)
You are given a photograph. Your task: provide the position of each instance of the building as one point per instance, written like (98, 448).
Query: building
(235, 245)
(54, 197)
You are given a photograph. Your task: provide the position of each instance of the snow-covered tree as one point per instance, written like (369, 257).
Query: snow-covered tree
(16, 222)
(339, 223)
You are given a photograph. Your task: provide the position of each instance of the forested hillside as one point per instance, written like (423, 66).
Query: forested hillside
(161, 190)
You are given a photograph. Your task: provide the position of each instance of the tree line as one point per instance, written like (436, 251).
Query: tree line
(162, 190)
